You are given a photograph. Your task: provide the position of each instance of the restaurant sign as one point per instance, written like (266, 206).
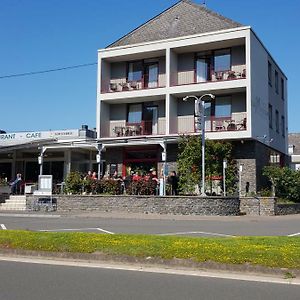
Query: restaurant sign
(21, 137)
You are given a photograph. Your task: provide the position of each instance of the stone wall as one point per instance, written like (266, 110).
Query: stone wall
(253, 156)
(258, 206)
(147, 204)
(288, 209)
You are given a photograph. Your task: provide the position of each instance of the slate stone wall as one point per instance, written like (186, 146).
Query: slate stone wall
(288, 209)
(258, 206)
(147, 204)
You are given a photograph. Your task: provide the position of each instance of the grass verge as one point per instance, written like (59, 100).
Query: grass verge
(279, 252)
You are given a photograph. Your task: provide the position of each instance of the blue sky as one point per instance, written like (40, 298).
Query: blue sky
(45, 34)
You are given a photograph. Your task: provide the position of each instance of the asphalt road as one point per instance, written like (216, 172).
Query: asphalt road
(26, 281)
(202, 226)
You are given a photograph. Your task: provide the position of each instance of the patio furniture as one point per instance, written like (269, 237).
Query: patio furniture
(118, 130)
(242, 125)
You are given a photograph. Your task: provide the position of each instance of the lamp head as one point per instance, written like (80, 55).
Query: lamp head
(185, 98)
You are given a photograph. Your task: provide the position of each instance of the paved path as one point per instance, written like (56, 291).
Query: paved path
(164, 225)
(27, 281)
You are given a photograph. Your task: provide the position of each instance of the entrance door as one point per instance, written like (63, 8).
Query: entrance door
(141, 160)
(201, 70)
(150, 120)
(151, 75)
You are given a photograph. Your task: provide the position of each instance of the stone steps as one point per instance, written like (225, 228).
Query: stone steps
(17, 202)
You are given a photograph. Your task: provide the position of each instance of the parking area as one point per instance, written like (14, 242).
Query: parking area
(171, 225)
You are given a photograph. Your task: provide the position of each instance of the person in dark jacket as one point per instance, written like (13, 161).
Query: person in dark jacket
(15, 186)
(173, 180)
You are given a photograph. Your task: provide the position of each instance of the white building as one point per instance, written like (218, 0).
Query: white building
(294, 150)
(190, 50)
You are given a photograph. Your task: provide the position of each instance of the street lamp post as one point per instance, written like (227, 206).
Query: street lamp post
(200, 123)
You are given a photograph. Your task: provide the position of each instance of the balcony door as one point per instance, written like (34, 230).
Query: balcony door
(151, 75)
(135, 71)
(201, 70)
(150, 120)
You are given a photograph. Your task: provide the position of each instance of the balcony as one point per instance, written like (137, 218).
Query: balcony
(193, 76)
(122, 85)
(118, 129)
(236, 122)
(133, 75)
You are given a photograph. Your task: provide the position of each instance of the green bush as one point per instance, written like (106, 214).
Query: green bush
(142, 187)
(189, 162)
(285, 182)
(3, 181)
(74, 183)
(111, 187)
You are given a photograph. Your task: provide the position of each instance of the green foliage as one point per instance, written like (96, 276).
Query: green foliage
(280, 252)
(265, 192)
(285, 182)
(189, 163)
(74, 183)
(111, 187)
(142, 187)
(3, 182)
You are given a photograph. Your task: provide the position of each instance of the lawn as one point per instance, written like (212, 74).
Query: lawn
(282, 252)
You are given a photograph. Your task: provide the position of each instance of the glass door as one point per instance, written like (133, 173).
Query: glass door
(201, 70)
(151, 75)
(150, 120)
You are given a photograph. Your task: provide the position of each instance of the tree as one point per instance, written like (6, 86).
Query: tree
(189, 163)
(285, 182)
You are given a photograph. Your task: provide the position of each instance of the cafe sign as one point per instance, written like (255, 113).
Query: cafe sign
(21, 137)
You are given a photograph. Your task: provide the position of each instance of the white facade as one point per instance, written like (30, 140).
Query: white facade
(247, 91)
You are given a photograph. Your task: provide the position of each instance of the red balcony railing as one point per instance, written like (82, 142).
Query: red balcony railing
(191, 76)
(213, 124)
(137, 129)
(121, 85)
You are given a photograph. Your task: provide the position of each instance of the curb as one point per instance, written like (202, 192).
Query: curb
(284, 274)
(28, 215)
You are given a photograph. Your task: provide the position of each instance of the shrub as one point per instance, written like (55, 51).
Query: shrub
(190, 158)
(142, 187)
(3, 181)
(285, 182)
(111, 187)
(74, 183)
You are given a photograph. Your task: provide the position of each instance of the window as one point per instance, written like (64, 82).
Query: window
(270, 73)
(270, 116)
(277, 120)
(135, 71)
(283, 126)
(222, 60)
(282, 89)
(276, 82)
(134, 113)
(223, 107)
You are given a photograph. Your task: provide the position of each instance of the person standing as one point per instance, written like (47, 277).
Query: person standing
(174, 182)
(15, 186)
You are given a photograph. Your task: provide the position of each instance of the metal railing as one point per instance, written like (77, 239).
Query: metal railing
(191, 76)
(122, 84)
(186, 124)
(138, 129)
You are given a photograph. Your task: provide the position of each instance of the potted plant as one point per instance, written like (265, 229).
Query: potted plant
(4, 186)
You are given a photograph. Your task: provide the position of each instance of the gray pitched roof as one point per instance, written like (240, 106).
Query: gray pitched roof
(294, 139)
(182, 19)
